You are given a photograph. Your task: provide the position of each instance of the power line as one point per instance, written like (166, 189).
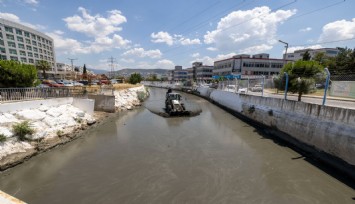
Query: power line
(72, 60)
(326, 42)
(112, 61)
(316, 10)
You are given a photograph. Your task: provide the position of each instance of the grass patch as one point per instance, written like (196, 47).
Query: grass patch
(22, 129)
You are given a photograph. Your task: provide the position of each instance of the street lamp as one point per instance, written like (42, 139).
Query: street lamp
(286, 46)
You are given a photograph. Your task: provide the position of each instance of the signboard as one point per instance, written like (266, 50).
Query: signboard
(343, 89)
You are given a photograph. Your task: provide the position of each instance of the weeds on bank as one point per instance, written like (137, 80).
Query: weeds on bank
(22, 129)
(2, 138)
(60, 133)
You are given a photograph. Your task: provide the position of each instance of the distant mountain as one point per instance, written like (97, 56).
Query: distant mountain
(143, 72)
(98, 71)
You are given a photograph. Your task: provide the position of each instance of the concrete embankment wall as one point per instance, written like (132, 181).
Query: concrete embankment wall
(328, 131)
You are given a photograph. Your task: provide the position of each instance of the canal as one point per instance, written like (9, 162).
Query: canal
(141, 157)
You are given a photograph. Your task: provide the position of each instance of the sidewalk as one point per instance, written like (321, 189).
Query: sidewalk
(314, 96)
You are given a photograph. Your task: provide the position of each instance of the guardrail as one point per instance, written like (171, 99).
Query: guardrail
(34, 93)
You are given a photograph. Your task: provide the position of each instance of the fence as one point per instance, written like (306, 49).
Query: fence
(21, 94)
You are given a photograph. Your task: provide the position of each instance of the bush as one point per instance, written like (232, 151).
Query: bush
(22, 129)
(2, 138)
(16, 74)
(141, 96)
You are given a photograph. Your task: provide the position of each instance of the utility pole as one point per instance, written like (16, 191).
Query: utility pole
(72, 65)
(112, 61)
(286, 46)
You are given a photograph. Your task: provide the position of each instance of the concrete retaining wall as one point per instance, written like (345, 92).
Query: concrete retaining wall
(103, 103)
(326, 129)
(86, 105)
(17, 106)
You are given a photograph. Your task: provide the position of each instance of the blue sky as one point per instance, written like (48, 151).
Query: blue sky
(165, 33)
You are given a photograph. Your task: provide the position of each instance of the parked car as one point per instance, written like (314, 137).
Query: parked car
(242, 90)
(257, 88)
(51, 83)
(75, 83)
(103, 81)
(85, 82)
(114, 81)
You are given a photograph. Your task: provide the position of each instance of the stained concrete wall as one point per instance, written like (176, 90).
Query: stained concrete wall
(103, 103)
(86, 105)
(326, 129)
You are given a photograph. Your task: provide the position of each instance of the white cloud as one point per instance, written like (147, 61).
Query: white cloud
(127, 60)
(206, 60)
(162, 37)
(165, 37)
(305, 29)
(163, 64)
(212, 49)
(32, 2)
(16, 19)
(66, 45)
(140, 52)
(248, 30)
(187, 41)
(96, 26)
(195, 54)
(338, 30)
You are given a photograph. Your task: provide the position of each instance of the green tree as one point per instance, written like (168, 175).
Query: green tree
(344, 62)
(302, 76)
(306, 56)
(43, 66)
(135, 78)
(16, 74)
(84, 72)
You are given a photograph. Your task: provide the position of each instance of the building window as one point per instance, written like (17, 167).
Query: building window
(23, 59)
(39, 44)
(8, 29)
(30, 61)
(2, 57)
(27, 34)
(36, 55)
(13, 58)
(12, 51)
(21, 46)
(34, 43)
(33, 37)
(2, 42)
(28, 47)
(2, 50)
(30, 54)
(11, 44)
(20, 39)
(40, 50)
(22, 53)
(0, 35)
(18, 32)
(35, 49)
(10, 37)
(28, 41)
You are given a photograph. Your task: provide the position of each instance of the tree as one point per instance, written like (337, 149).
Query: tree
(84, 72)
(344, 61)
(302, 75)
(306, 56)
(135, 78)
(16, 74)
(43, 66)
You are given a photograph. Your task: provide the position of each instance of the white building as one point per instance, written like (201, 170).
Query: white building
(24, 44)
(298, 54)
(246, 65)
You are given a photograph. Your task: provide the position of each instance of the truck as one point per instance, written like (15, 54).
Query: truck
(174, 105)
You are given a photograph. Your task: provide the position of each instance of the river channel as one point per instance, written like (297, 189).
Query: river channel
(141, 157)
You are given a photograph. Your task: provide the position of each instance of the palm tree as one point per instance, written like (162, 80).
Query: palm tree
(44, 66)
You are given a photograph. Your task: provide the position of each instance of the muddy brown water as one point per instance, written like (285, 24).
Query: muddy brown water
(141, 157)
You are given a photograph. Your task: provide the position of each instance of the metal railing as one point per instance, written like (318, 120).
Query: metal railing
(34, 93)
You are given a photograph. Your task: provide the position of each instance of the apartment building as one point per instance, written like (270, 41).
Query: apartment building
(24, 44)
(298, 54)
(248, 66)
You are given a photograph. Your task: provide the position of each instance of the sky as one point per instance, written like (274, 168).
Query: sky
(165, 33)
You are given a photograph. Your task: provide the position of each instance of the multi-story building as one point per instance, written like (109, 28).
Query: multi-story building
(179, 74)
(24, 44)
(202, 72)
(298, 54)
(246, 65)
